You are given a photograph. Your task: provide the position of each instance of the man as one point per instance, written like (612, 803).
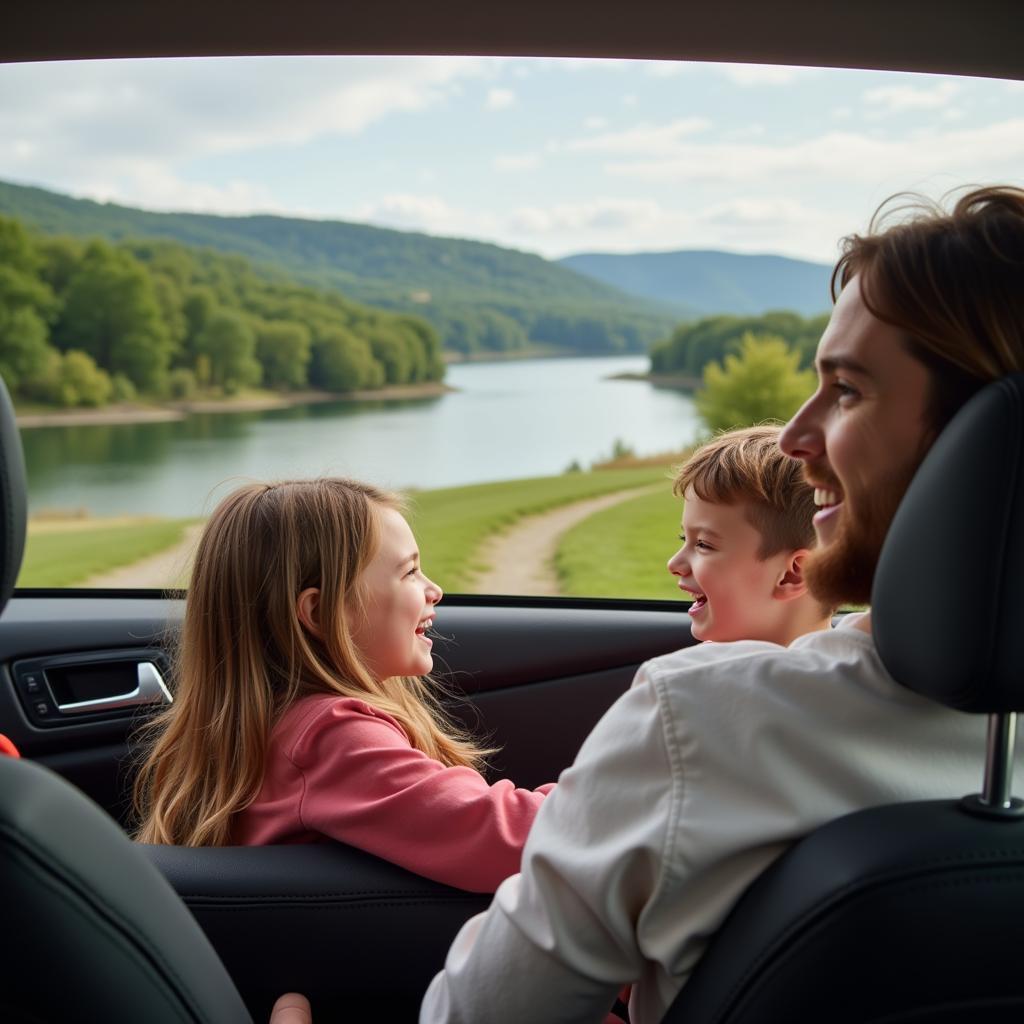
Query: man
(722, 755)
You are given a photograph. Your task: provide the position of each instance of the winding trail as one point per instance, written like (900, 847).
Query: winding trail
(167, 569)
(521, 559)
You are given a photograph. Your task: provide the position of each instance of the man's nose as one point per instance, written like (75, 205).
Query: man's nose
(801, 437)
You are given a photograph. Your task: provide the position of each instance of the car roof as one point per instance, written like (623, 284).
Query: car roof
(982, 37)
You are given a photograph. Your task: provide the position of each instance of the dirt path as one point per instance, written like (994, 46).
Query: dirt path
(167, 569)
(521, 559)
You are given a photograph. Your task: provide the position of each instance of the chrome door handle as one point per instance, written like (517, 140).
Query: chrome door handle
(151, 689)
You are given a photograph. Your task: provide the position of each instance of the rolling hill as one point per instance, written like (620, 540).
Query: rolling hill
(712, 282)
(481, 297)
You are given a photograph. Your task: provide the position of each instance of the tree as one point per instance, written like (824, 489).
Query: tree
(229, 343)
(70, 379)
(342, 361)
(111, 313)
(26, 304)
(24, 352)
(763, 382)
(284, 350)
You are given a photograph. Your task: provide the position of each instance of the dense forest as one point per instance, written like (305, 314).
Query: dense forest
(481, 298)
(692, 346)
(85, 322)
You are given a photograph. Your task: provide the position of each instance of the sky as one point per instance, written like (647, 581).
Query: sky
(553, 156)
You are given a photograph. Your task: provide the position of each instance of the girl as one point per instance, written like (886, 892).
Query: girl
(300, 715)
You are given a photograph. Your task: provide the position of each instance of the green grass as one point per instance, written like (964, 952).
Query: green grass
(450, 526)
(452, 523)
(622, 551)
(65, 558)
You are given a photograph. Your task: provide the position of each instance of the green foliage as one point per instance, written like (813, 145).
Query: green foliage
(112, 314)
(480, 297)
(163, 320)
(229, 344)
(622, 551)
(692, 346)
(344, 362)
(284, 350)
(122, 389)
(24, 353)
(763, 382)
(181, 384)
(70, 379)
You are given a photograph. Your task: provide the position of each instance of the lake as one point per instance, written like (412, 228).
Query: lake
(507, 420)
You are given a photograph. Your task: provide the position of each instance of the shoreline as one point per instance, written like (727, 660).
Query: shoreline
(175, 411)
(675, 381)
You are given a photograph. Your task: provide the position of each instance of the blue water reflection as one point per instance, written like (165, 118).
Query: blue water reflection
(507, 420)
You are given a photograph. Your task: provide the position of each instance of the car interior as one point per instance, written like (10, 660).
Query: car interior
(904, 913)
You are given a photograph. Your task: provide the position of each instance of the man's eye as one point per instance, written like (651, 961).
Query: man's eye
(844, 390)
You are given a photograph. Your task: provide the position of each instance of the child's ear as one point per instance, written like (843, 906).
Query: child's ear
(307, 607)
(791, 583)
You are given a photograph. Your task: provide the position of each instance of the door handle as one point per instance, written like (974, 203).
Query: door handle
(150, 689)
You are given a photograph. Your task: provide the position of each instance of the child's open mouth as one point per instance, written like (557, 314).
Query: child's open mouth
(421, 630)
(700, 599)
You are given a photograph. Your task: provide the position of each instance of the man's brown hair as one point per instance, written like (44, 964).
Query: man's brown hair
(746, 467)
(952, 282)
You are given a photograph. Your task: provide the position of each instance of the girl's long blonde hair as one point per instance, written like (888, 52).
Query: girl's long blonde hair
(243, 656)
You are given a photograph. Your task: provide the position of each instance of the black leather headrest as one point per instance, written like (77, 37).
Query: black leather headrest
(13, 501)
(947, 608)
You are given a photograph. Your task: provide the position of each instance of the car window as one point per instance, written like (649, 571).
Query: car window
(494, 284)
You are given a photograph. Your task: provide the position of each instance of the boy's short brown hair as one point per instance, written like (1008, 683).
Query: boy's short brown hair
(747, 467)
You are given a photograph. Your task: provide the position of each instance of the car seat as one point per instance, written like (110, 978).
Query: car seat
(92, 931)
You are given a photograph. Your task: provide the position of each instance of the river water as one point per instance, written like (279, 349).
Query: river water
(507, 420)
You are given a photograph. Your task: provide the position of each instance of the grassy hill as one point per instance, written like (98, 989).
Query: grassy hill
(480, 297)
(713, 282)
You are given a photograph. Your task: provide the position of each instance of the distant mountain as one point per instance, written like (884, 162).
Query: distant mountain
(713, 282)
(480, 297)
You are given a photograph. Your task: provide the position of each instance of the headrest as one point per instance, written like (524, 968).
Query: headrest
(13, 501)
(947, 608)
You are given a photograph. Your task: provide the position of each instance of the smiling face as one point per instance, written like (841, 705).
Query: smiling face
(736, 593)
(397, 607)
(861, 437)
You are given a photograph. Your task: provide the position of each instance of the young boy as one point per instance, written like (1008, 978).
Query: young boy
(746, 532)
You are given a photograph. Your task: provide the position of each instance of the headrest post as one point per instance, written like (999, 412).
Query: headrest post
(1002, 737)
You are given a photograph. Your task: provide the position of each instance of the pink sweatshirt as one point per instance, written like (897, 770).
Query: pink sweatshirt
(339, 769)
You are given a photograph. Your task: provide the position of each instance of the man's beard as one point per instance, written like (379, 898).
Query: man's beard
(843, 571)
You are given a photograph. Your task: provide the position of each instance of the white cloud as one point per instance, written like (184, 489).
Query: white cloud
(408, 211)
(895, 99)
(762, 74)
(500, 99)
(835, 156)
(738, 74)
(175, 110)
(511, 162)
(654, 139)
(600, 214)
(595, 122)
(412, 212)
(155, 188)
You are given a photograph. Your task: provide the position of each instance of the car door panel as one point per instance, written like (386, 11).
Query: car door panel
(531, 678)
